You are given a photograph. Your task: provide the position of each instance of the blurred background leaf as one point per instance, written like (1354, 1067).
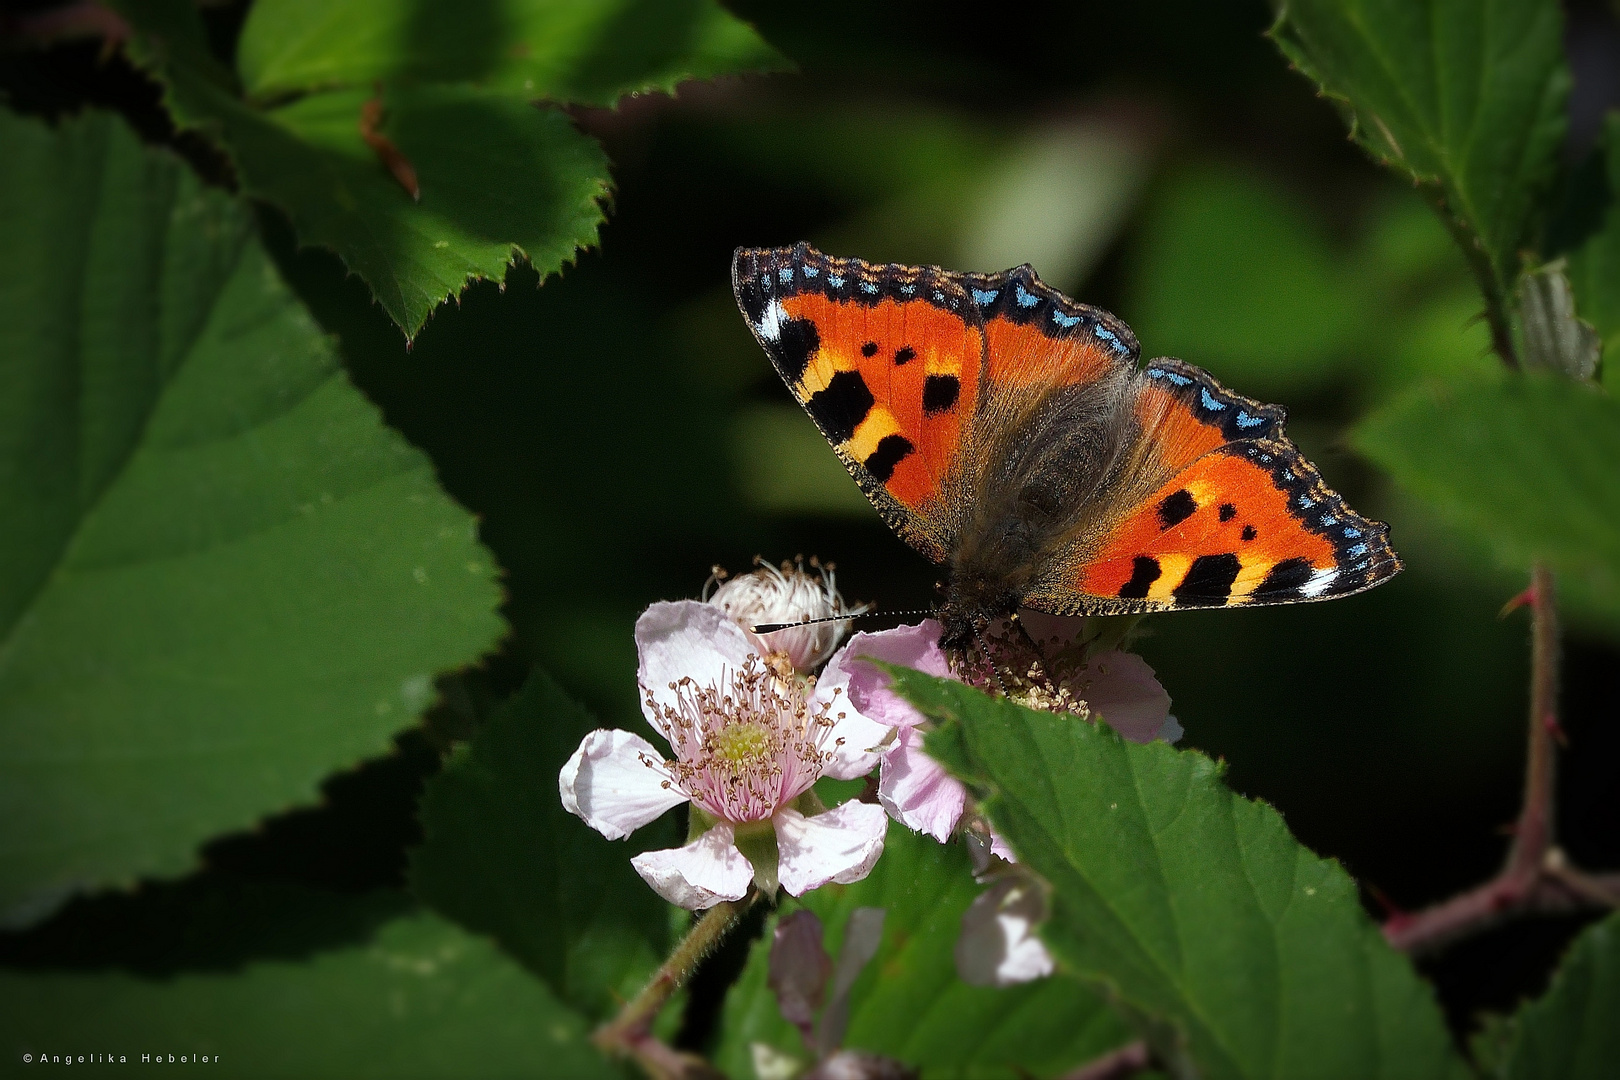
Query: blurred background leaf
(222, 577)
(1568, 1033)
(1194, 906)
(421, 998)
(909, 1003)
(1526, 462)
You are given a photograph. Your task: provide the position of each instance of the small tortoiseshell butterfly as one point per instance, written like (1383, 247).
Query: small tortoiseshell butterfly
(1006, 432)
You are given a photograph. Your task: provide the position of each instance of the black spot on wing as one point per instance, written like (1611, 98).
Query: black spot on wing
(840, 406)
(1228, 511)
(798, 343)
(1208, 582)
(1144, 572)
(869, 349)
(940, 393)
(904, 355)
(891, 450)
(1249, 533)
(1285, 579)
(1175, 508)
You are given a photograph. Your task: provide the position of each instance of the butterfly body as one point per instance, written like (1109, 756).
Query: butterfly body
(1008, 434)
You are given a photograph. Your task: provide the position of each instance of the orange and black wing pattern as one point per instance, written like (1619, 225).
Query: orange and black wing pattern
(1230, 513)
(885, 359)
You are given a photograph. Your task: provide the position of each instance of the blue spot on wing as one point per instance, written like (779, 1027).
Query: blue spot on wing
(1244, 420)
(908, 289)
(1160, 373)
(985, 297)
(868, 287)
(1062, 319)
(1359, 549)
(785, 274)
(1306, 500)
(812, 271)
(1024, 299)
(1209, 400)
(1351, 533)
(835, 280)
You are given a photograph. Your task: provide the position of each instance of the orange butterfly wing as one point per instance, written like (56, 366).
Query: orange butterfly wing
(885, 359)
(919, 377)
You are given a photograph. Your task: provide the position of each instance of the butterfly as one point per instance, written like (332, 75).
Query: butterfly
(1010, 434)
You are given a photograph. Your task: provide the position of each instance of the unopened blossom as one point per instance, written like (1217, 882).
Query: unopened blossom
(788, 594)
(1117, 686)
(747, 744)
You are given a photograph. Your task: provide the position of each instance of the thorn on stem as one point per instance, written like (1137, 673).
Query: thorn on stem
(1524, 599)
(1556, 730)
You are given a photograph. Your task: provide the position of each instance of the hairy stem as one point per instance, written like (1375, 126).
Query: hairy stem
(1536, 875)
(625, 1033)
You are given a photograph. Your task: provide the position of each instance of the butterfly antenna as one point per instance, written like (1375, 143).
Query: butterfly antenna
(773, 627)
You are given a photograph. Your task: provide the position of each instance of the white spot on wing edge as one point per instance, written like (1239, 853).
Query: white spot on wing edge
(770, 323)
(1318, 583)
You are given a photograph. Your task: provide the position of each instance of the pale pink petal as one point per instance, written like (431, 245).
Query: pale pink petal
(909, 646)
(609, 784)
(1044, 628)
(998, 846)
(685, 638)
(1172, 731)
(998, 946)
(841, 845)
(917, 791)
(701, 874)
(861, 737)
(1121, 689)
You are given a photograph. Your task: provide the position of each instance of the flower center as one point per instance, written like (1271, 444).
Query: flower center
(746, 746)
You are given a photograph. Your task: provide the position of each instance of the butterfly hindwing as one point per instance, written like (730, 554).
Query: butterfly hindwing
(885, 359)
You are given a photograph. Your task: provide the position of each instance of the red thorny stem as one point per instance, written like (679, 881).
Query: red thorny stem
(1536, 876)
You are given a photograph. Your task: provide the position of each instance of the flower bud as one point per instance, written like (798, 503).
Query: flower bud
(790, 594)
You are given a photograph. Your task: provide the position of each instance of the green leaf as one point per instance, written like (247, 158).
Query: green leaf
(422, 999)
(909, 1003)
(1594, 266)
(1570, 1033)
(1524, 462)
(589, 51)
(221, 575)
(1463, 96)
(503, 857)
(499, 177)
(1245, 954)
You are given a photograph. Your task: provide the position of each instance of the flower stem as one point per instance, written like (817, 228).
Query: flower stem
(1119, 1064)
(1536, 876)
(625, 1033)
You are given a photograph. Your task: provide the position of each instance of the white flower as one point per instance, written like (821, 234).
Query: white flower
(747, 744)
(788, 595)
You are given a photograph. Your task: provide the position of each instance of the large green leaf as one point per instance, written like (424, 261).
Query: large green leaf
(1245, 954)
(499, 177)
(909, 1003)
(503, 857)
(221, 576)
(1466, 96)
(1527, 463)
(1570, 1032)
(591, 51)
(422, 999)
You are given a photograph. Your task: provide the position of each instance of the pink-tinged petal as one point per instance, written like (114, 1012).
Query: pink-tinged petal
(701, 874)
(917, 791)
(609, 784)
(909, 646)
(861, 737)
(685, 639)
(998, 946)
(1046, 629)
(839, 846)
(1122, 690)
(999, 846)
(1172, 731)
